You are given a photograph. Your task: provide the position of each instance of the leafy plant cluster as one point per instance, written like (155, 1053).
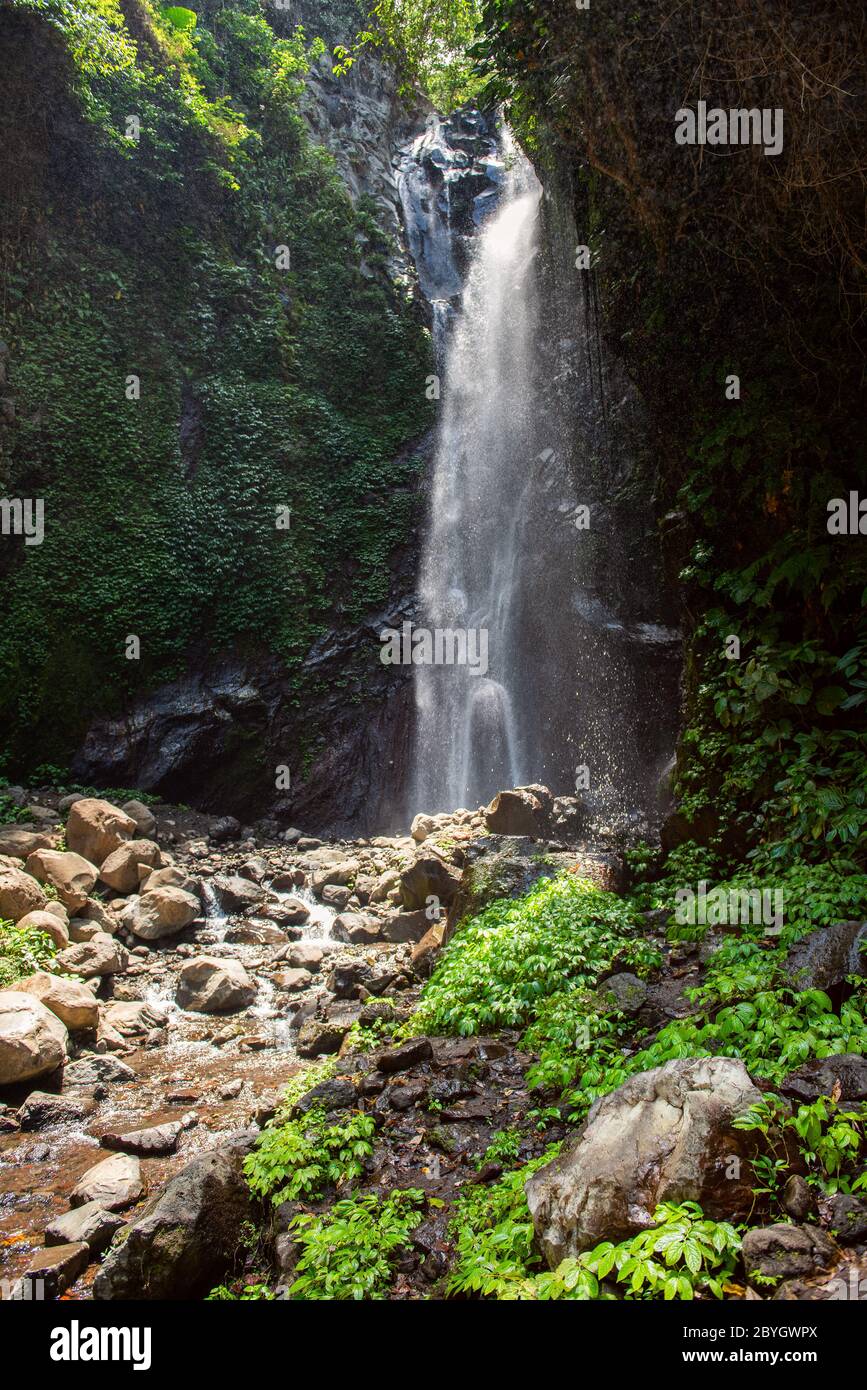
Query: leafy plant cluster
(23, 951)
(304, 1157)
(502, 965)
(829, 1136)
(349, 1251)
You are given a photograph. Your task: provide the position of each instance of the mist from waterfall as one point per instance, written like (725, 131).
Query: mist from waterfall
(468, 730)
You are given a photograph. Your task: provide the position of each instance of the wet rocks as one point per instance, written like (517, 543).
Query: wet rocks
(186, 1237)
(33, 1041)
(42, 1109)
(824, 958)
(847, 1218)
(90, 1225)
(115, 1183)
(95, 828)
(236, 894)
(152, 1142)
(305, 955)
(130, 1023)
(520, 811)
(819, 1077)
(73, 1003)
(783, 1251)
(424, 952)
(209, 985)
(321, 1036)
(55, 1267)
(96, 1069)
(409, 1054)
(664, 1135)
(291, 912)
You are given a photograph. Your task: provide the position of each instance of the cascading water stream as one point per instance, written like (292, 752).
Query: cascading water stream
(469, 741)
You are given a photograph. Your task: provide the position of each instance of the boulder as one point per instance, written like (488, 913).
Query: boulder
(235, 894)
(101, 955)
(291, 912)
(623, 993)
(784, 1251)
(520, 811)
(847, 1218)
(335, 896)
(120, 869)
(42, 1109)
(90, 1225)
(71, 876)
(292, 980)
(95, 1069)
(825, 957)
(20, 894)
(409, 1054)
(305, 955)
(665, 1135)
(406, 926)
(95, 828)
(55, 1267)
(317, 1036)
(145, 821)
(820, 1075)
(160, 912)
(422, 826)
(33, 1041)
(128, 1023)
(170, 876)
(356, 928)
(115, 1183)
(153, 1142)
(338, 875)
(429, 877)
(18, 843)
(208, 986)
(186, 1238)
(424, 952)
(49, 923)
(73, 1003)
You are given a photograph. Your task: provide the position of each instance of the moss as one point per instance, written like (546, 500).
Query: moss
(260, 387)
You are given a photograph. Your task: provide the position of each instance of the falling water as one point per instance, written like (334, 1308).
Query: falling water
(469, 738)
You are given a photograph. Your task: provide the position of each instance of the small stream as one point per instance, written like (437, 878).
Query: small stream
(195, 1070)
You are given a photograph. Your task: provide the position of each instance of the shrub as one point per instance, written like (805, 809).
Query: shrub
(349, 1251)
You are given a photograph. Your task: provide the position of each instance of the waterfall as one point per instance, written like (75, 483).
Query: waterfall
(468, 728)
(540, 534)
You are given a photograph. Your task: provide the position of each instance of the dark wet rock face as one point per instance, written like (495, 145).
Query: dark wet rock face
(186, 1238)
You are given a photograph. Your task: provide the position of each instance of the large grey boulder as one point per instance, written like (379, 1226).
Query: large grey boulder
(74, 1004)
(159, 912)
(33, 1040)
(186, 1237)
(208, 985)
(825, 957)
(665, 1135)
(71, 875)
(100, 955)
(115, 1183)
